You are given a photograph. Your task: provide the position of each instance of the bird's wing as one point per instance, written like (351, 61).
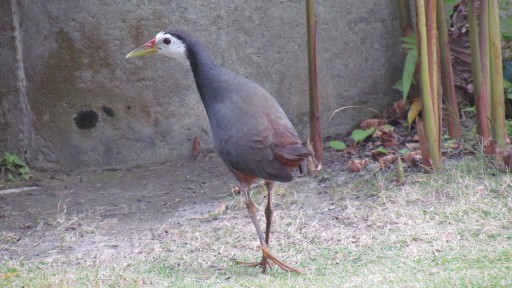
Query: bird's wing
(248, 140)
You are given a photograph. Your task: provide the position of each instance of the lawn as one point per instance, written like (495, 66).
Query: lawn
(452, 229)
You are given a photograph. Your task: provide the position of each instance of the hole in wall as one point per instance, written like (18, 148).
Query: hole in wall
(86, 119)
(109, 111)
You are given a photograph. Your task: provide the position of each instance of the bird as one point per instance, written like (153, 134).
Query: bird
(250, 131)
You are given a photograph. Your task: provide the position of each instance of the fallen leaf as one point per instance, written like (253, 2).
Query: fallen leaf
(413, 158)
(352, 150)
(357, 165)
(377, 154)
(196, 147)
(369, 123)
(413, 146)
(395, 113)
(388, 160)
(387, 138)
(415, 109)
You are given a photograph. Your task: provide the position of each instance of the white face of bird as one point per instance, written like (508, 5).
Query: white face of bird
(170, 46)
(164, 44)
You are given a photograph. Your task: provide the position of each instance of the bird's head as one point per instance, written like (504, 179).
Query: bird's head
(165, 43)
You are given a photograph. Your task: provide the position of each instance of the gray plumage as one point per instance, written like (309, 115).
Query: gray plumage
(251, 132)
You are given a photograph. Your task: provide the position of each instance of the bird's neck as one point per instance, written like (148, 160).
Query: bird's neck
(207, 73)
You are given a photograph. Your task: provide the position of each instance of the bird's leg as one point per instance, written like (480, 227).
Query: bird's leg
(268, 210)
(251, 209)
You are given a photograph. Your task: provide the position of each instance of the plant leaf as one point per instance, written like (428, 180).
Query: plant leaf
(338, 145)
(416, 107)
(508, 88)
(359, 135)
(404, 151)
(382, 150)
(410, 65)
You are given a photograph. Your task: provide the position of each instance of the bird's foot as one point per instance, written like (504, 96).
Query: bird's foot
(266, 262)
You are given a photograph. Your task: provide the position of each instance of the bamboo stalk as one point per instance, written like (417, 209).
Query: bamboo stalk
(449, 93)
(484, 100)
(314, 96)
(476, 67)
(499, 131)
(427, 33)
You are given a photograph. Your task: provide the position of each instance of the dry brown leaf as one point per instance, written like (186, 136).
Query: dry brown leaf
(357, 165)
(413, 158)
(351, 150)
(413, 146)
(369, 123)
(377, 154)
(387, 138)
(196, 147)
(395, 113)
(399, 108)
(388, 160)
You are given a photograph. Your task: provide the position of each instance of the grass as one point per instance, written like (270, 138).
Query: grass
(453, 229)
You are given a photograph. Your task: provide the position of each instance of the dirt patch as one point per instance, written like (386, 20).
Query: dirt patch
(118, 210)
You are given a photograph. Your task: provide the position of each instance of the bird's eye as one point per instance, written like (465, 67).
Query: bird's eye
(167, 41)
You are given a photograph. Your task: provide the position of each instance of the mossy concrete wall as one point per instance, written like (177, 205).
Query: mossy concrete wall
(70, 99)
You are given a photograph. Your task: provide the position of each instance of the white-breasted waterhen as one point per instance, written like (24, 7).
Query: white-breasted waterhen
(251, 132)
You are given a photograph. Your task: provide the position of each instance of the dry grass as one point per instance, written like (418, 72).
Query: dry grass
(448, 230)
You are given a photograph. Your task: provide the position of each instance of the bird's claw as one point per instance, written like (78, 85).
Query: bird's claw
(266, 262)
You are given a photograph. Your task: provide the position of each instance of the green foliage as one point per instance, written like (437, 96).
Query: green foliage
(338, 145)
(508, 88)
(359, 135)
(509, 127)
(450, 3)
(13, 166)
(382, 150)
(389, 127)
(470, 109)
(404, 151)
(506, 19)
(410, 44)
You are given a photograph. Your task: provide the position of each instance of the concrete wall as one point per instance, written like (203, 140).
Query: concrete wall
(70, 99)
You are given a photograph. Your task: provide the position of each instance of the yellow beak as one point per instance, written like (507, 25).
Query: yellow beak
(149, 48)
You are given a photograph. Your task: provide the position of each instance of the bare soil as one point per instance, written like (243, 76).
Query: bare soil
(78, 213)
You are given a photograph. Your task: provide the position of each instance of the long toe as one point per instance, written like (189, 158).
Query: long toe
(281, 264)
(264, 264)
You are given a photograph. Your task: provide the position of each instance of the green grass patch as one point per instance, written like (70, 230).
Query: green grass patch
(452, 229)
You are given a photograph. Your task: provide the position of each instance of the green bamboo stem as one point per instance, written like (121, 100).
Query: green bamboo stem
(499, 131)
(476, 67)
(484, 99)
(314, 97)
(448, 85)
(427, 30)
